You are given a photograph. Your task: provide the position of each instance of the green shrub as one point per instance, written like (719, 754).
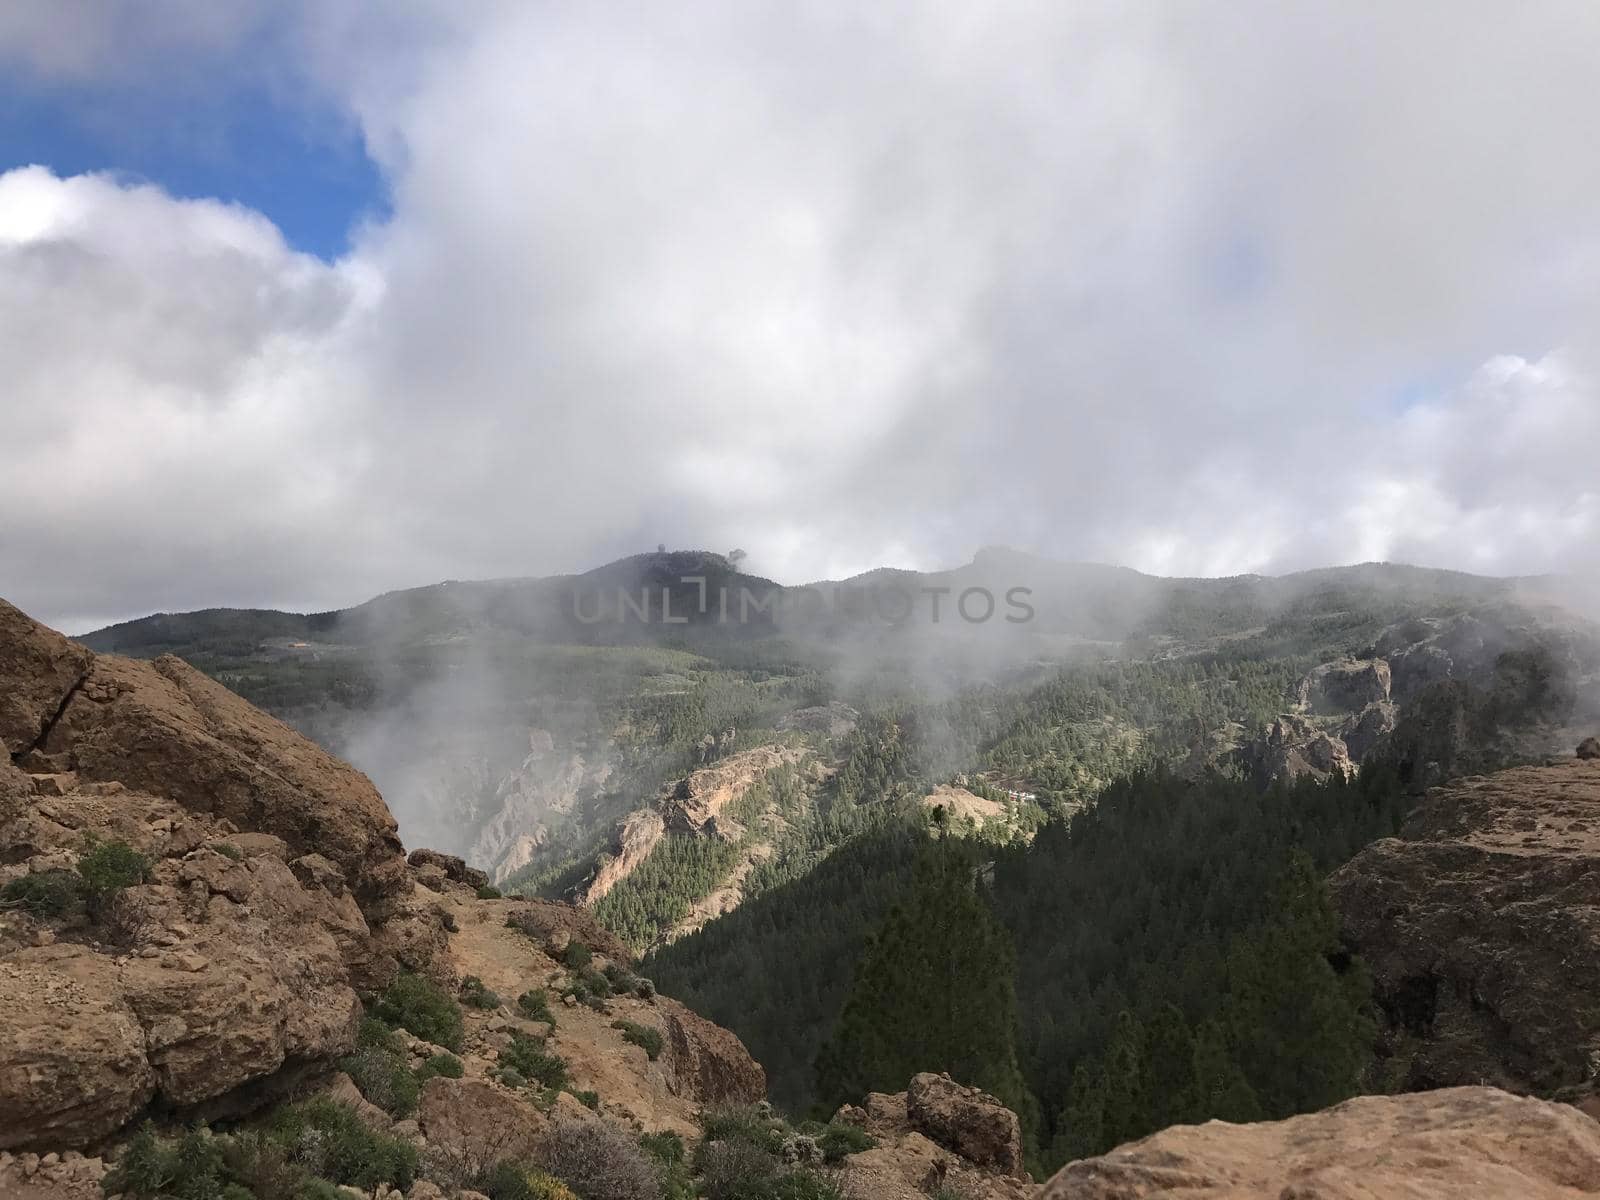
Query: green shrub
(590, 987)
(328, 1139)
(586, 1098)
(509, 1181)
(752, 1124)
(205, 1166)
(528, 1057)
(108, 867)
(373, 1032)
(228, 850)
(535, 1005)
(487, 892)
(383, 1078)
(474, 992)
(841, 1138)
(599, 1161)
(417, 1004)
(45, 893)
(733, 1169)
(447, 1066)
(641, 1035)
(672, 1167)
(577, 955)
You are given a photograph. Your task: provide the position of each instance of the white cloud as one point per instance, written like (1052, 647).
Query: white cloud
(838, 285)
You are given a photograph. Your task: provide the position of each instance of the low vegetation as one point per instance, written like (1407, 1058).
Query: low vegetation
(645, 1036)
(423, 1008)
(104, 869)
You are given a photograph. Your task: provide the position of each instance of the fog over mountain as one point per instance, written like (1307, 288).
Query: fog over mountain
(1196, 290)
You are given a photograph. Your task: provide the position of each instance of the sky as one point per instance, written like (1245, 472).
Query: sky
(303, 302)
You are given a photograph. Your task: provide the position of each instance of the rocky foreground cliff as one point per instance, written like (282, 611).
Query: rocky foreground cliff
(198, 901)
(207, 919)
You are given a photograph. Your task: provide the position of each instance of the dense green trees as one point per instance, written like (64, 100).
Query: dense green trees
(933, 991)
(1195, 908)
(1286, 1032)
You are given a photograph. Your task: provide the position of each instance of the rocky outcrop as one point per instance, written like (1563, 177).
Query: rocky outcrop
(696, 805)
(971, 1122)
(272, 887)
(936, 1134)
(707, 1061)
(164, 728)
(1444, 1145)
(1364, 732)
(1293, 748)
(1481, 926)
(632, 841)
(41, 672)
(1346, 686)
(1589, 748)
(699, 802)
(435, 868)
(476, 1123)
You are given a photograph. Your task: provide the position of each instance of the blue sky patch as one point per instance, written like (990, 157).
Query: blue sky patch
(307, 172)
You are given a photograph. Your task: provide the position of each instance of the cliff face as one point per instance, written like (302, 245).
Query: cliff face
(1481, 925)
(1462, 1142)
(264, 893)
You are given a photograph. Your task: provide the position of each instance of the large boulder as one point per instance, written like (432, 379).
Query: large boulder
(706, 1061)
(1589, 748)
(476, 1123)
(966, 1120)
(274, 889)
(39, 672)
(936, 1136)
(1444, 1145)
(1480, 924)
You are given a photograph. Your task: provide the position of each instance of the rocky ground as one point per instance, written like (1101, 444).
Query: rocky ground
(1460, 1143)
(1481, 925)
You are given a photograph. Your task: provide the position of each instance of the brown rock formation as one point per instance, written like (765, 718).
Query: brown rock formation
(1444, 1145)
(1346, 686)
(1291, 748)
(1363, 732)
(937, 1134)
(698, 803)
(275, 888)
(706, 1061)
(635, 836)
(969, 1121)
(1481, 926)
(476, 1123)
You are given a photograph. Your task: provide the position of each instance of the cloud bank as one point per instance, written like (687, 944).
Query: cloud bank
(1197, 291)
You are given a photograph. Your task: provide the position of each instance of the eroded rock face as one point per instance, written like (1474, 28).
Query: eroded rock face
(706, 1061)
(936, 1134)
(276, 888)
(969, 1121)
(1292, 748)
(1347, 686)
(1444, 1145)
(477, 1123)
(1481, 926)
(699, 802)
(1363, 733)
(635, 837)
